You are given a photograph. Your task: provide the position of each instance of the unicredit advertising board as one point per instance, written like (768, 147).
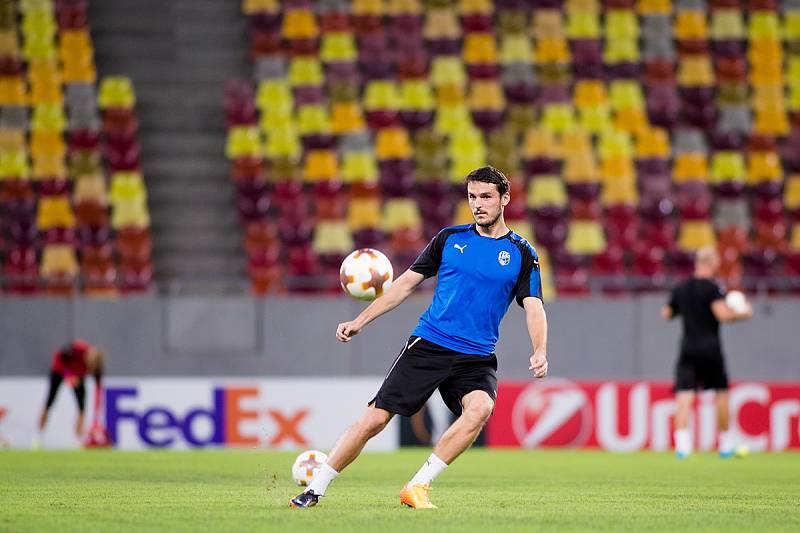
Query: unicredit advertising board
(631, 416)
(194, 413)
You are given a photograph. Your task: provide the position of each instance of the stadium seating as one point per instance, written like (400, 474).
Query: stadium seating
(633, 134)
(64, 219)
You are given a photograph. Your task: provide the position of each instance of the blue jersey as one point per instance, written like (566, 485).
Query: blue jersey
(478, 278)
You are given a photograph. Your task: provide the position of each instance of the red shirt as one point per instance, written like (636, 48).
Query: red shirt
(75, 365)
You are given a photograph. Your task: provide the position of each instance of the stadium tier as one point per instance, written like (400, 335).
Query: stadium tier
(73, 200)
(634, 134)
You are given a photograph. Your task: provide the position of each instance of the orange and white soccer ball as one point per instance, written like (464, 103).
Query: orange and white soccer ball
(366, 274)
(306, 466)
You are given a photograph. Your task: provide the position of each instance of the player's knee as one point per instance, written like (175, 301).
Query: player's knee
(480, 409)
(374, 420)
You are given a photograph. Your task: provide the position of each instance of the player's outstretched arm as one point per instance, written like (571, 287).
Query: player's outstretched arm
(724, 313)
(536, 320)
(402, 287)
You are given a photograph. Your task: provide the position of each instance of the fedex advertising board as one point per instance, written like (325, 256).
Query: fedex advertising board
(195, 413)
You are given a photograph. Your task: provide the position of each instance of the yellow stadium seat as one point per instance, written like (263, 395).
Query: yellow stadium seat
(625, 94)
(368, 7)
(58, 260)
(622, 191)
(44, 70)
(338, 47)
(558, 117)
(299, 24)
(695, 71)
(547, 24)
(400, 213)
(546, 191)
(116, 91)
(12, 91)
(621, 51)
(763, 25)
(90, 188)
(791, 25)
(540, 142)
(690, 166)
(763, 166)
(359, 166)
(583, 25)
(479, 48)
(691, 25)
(346, 117)
(631, 120)
(463, 214)
(771, 121)
(127, 187)
(47, 166)
(589, 93)
(313, 118)
(595, 119)
(794, 240)
(416, 95)
(653, 142)
(381, 94)
(580, 168)
(585, 237)
(12, 140)
(452, 118)
(129, 214)
(575, 141)
(253, 7)
(364, 213)
(552, 50)
(791, 193)
(404, 7)
(243, 141)
(393, 143)
(54, 212)
(274, 94)
(727, 24)
(332, 237)
(321, 165)
(441, 23)
(447, 70)
(617, 168)
(38, 47)
(621, 24)
(14, 164)
(283, 144)
(695, 234)
(465, 164)
(9, 42)
(305, 71)
(726, 166)
(614, 143)
(589, 6)
(515, 49)
(450, 96)
(654, 7)
(45, 142)
(46, 94)
(475, 7)
(486, 95)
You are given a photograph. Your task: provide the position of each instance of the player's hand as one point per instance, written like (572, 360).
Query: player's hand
(347, 330)
(538, 364)
(72, 381)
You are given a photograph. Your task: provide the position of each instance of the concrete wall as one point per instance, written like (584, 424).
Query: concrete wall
(239, 336)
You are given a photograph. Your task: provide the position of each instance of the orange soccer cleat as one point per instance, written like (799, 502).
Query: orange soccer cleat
(416, 496)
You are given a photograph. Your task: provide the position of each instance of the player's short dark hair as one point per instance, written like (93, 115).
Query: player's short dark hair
(489, 174)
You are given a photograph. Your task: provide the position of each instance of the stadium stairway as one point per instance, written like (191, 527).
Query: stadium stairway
(178, 54)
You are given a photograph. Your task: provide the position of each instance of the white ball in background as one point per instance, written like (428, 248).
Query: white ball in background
(737, 301)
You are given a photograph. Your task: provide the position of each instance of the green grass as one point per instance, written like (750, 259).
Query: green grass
(484, 490)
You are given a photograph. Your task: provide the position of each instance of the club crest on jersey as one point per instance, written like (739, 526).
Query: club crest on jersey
(504, 258)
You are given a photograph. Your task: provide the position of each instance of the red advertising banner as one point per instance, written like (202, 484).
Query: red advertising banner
(631, 416)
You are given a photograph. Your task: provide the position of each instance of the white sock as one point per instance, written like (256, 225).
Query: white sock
(432, 468)
(323, 478)
(725, 442)
(683, 441)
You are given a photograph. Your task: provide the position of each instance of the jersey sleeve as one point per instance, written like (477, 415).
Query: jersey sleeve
(530, 278)
(57, 366)
(714, 293)
(429, 260)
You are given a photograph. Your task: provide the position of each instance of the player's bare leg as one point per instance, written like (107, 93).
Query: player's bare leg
(726, 444)
(477, 408)
(347, 448)
(683, 438)
(79, 425)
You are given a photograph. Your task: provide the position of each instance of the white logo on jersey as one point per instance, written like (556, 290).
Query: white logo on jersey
(504, 258)
(460, 247)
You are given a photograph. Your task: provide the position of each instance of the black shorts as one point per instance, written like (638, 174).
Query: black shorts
(692, 373)
(423, 366)
(55, 382)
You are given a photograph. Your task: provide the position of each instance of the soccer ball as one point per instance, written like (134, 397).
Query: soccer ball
(307, 465)
(736, 301)
(366, 274)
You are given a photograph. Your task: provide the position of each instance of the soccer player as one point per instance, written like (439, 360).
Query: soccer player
(71, 363)
(481, 268)
(701, 305)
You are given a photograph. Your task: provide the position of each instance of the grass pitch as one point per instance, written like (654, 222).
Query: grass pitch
(485, 490)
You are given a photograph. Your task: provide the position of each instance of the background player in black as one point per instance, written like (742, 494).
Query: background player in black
(701, 304)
